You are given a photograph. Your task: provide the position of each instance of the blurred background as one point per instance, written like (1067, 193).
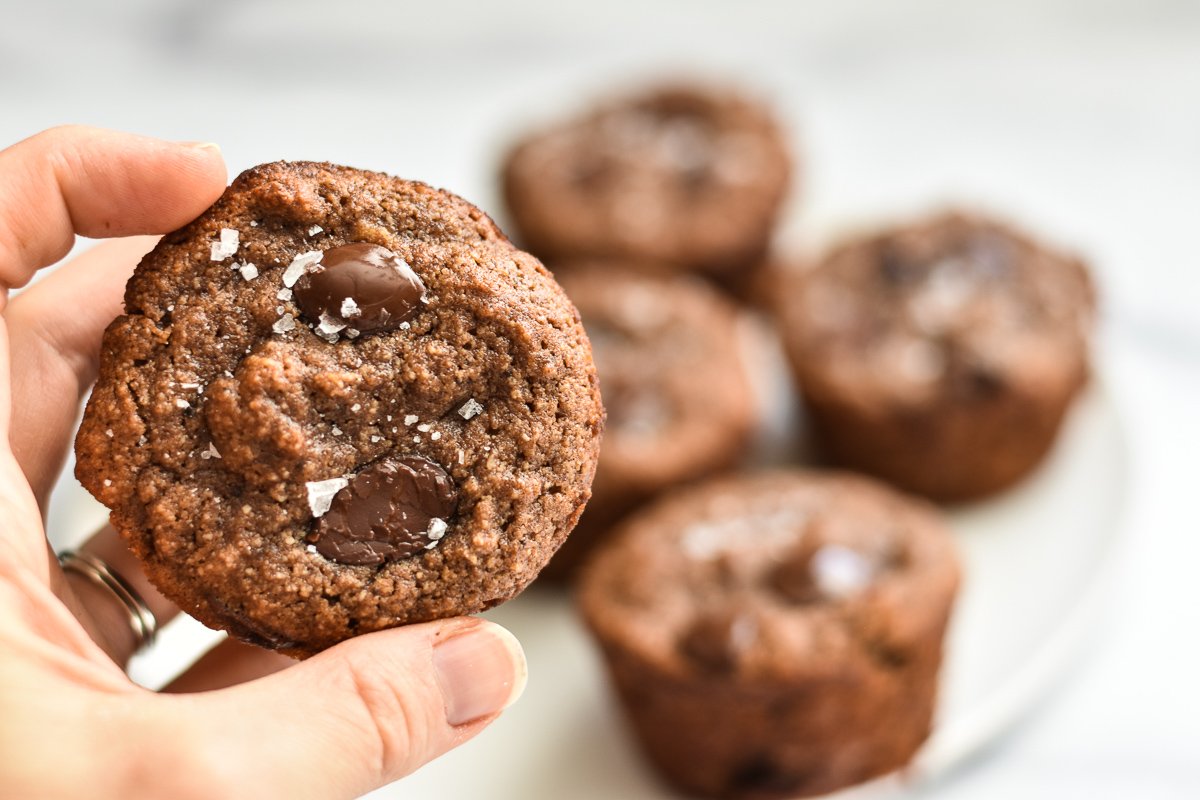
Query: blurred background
(1080, 120)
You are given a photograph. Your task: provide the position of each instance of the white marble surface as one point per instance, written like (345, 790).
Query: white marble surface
(1081, 118)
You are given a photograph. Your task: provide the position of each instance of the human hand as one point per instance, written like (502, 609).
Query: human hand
(241, 722)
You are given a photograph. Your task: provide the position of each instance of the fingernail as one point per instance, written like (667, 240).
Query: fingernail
(481, 671)
(213, 146)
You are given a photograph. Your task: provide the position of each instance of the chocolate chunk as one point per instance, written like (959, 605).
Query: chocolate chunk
(715, 641)
(393, 509)
(763, 775)
(366, 286)
(793, 578)
(816, 572)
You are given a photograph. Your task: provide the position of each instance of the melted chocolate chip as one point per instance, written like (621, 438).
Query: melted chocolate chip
(764, 775)
(817, 572)
(393, 509)
(716, 641)
(793, 578)
(366, 286)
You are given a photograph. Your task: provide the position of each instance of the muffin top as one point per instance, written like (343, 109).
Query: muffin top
(340, 401)
(680, 176)
(772, 577)
(956, 306)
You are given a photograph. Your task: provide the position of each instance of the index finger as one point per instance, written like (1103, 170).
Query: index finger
(98, 183)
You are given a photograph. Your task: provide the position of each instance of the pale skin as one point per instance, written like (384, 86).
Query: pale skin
(241, 722)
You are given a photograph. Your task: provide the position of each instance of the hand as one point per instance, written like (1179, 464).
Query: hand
(241, 722)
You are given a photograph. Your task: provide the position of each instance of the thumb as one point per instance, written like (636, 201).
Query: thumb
(361, 714)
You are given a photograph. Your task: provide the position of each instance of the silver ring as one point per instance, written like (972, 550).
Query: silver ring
(141, 619)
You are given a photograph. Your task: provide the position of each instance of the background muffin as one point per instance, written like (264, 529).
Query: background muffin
(680, 404)
(940, 356)
(685, 177)
(775, 635)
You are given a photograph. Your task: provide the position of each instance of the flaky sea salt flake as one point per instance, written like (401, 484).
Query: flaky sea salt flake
(329, 326)
(320, 494)
(284, 324)
(181, 403)
(437, 528)
(226, 246)
(471, 408)
(350, 308)
(409, 419)
(314, 230)
(248, 270)
(299, 266)
(211, 452)
(284, 294)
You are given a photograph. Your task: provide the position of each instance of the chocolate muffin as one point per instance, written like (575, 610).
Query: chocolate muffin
(682, 177)
(775, 634)
(338, 402)
(680, 404)
(941, 356)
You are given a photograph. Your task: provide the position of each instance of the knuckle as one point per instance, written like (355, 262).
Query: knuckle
(388, 715)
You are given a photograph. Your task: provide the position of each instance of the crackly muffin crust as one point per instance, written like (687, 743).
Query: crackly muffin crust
(225, 419)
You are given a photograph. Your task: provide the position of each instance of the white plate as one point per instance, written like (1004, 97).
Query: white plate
(1037, 562)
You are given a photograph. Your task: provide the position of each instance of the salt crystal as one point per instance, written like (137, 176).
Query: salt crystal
(404, 326)
(211, 452)
(284, 294)
(435, 435)
(350, 308)
(375, 439)
(320, 494)
(314, 230)
(470, 409)
(299, 266)
(253, 224)
(330, 325)
(226, 247)
(335, 430)
(462, 457)
(109, 433)
(409, 419)
(840, 571)
(181, 403)
(423, 427)
(352, 333)
(189, 386)
(416, 439)
(284, 324)
(248, 270)
(107, 482)
(312, 548)
(437, 528)
(356, 407)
